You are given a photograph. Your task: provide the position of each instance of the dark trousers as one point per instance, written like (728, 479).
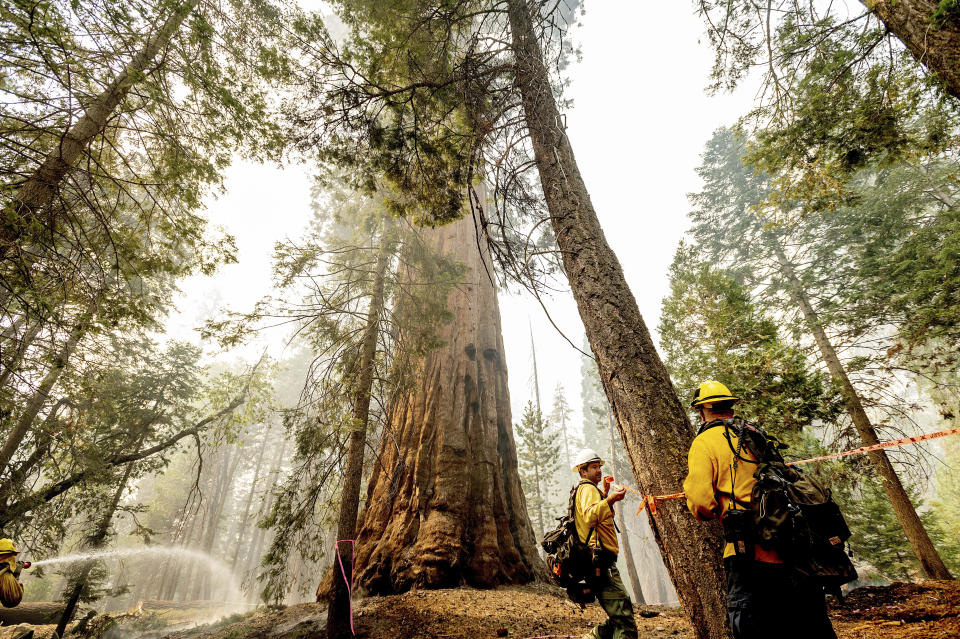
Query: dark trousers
(773, 600)
(615, 601)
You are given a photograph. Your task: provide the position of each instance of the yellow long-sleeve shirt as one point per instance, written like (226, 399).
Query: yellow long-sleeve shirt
(711, 478)
(11, 592)
(592, 510)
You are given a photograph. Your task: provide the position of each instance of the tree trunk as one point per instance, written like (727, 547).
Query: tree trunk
(651, 420)
(338, 613)
(539, 496)
(935, 47)
(39, 398)
(22, 214)
(243, 524)
(444, 502)
(255, 550)
(228, 470)
(930, 561)
(93, 542)
(18, 474)
(622, 521)
(35, 613)
(13, 355)
(172, 570)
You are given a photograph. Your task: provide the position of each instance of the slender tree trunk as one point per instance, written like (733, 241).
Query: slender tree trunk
(171, 573)
(936, 47)
(536, 470)
(13, 355)
(621, 520)
(930, 561)
(228, 471)
(566, 440)
(255, 550)
(444, 502)
(18, 474)
(536, 375)
(338, 613)
(22, 214)
(93, 542)
(39, 398)
(243, 524)
(651, 419)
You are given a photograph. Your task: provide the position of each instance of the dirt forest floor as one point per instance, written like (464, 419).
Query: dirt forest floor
(900, 611)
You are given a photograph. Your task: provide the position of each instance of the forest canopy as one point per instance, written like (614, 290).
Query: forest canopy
(265, 391)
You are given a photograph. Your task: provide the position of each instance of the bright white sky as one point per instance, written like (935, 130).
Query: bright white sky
(638, 126)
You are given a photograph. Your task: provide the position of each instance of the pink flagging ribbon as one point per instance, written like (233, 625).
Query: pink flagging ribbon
(343, 571)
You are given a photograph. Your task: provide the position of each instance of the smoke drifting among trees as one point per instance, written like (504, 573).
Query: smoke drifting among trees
(354, 424)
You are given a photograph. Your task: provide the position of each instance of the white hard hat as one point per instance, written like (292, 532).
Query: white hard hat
(586, 456)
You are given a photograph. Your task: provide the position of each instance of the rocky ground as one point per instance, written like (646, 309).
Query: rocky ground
(900, 611)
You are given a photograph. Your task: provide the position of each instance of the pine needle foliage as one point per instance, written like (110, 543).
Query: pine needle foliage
(538, 454)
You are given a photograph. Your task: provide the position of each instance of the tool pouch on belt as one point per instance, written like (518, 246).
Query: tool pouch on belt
(602, 560)
(738, 530)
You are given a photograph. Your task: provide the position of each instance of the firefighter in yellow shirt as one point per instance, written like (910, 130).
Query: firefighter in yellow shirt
(765, 597)
(11, 592)
(593, 514)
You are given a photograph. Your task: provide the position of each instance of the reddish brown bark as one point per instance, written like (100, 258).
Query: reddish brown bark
(444, 503)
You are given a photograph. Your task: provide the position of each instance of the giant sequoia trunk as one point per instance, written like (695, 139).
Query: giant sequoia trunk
(444, 503)
(937, 47)
(650, 418)
(930, 561)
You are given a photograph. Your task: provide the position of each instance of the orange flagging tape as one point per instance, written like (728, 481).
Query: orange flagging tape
(650, 501)
(882, 445)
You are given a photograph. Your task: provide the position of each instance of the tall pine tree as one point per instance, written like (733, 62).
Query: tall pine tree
(538, 455)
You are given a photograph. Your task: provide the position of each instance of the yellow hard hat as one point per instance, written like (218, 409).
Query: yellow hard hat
(709, 392)
(7, 547)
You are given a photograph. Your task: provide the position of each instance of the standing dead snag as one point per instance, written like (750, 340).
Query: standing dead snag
(444, 503)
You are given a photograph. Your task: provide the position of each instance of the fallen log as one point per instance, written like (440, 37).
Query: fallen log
(25, 631)
(36, 613)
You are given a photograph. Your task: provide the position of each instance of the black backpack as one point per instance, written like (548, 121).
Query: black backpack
(789, 512)
(570, 562)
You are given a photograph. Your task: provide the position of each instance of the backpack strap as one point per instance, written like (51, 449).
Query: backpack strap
(730, 496)
(572, 509)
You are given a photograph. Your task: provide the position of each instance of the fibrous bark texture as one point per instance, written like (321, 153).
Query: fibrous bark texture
(444, 503)
(936, 46)
(651, 420)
